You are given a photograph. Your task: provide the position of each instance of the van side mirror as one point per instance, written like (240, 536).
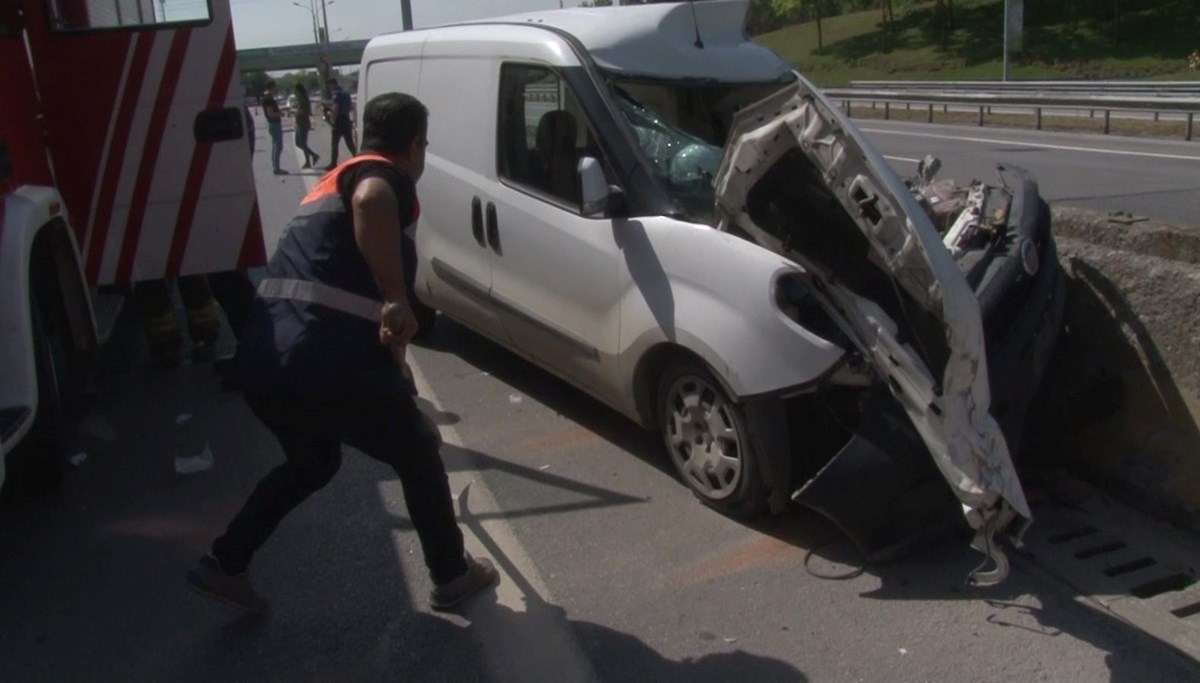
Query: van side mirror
(594, 189)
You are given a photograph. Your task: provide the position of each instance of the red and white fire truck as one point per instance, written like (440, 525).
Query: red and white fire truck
(123, 157)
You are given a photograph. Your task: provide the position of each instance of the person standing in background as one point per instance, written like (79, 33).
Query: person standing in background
(274, 126)
(342, 106)
(303, 116)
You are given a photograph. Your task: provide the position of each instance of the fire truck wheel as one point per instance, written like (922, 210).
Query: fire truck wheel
(34, 467)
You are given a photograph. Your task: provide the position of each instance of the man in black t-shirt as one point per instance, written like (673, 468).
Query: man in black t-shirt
(343, 128)
(323, 350)
(274, 126)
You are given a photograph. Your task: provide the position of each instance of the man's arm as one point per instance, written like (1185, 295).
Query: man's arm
(377, 232)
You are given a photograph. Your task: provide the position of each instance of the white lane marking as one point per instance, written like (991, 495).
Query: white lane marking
(524, 635)
(1026, 143)
(531, 640)
(904, 159)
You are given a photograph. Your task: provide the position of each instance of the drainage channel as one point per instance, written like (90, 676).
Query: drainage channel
(1138, 569)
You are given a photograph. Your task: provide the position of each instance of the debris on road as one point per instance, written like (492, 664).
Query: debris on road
(78, 458)
(195, 463)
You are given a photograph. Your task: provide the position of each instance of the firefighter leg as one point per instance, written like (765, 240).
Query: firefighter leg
(203, 315)
(164, 336)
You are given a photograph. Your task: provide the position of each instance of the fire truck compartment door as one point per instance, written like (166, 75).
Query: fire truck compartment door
(139, 111)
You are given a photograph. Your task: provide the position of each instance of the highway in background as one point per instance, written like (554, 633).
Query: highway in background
(1145, 177)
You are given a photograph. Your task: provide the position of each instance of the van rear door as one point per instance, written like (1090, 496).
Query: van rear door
(144, 121)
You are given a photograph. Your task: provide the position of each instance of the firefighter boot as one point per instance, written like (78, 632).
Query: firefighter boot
(204, 327)
(203, 315)
(164, 336)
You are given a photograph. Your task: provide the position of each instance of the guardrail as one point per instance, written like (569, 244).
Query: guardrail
(1166, 88)
(1036, 102)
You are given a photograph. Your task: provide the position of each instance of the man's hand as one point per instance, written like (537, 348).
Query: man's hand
(397, 324)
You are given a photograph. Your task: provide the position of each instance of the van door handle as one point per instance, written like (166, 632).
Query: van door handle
(493, 230)
(477, 221)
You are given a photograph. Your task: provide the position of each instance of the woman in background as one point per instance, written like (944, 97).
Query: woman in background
(303, 117)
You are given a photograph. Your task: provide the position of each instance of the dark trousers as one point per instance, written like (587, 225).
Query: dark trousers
(234, 291)
(275, 128)
(310, 157)
(341, 129)
(389, 429)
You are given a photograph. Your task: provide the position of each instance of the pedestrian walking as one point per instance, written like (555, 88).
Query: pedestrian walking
(303, 116)
(341, 117)
(323, 355)
(274, 126)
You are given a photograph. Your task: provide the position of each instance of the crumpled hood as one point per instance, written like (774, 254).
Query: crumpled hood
(798, 178)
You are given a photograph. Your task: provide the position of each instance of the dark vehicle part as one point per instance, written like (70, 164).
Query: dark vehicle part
(882, 488)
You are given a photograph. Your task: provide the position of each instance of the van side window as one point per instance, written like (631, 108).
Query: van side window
(69, 16)
(543, 133)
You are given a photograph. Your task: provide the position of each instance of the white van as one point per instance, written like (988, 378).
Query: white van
(590, 199)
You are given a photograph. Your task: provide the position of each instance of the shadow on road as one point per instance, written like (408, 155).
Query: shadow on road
(933, 571)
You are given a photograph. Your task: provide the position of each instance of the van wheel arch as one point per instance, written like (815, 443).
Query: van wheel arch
(753, 493)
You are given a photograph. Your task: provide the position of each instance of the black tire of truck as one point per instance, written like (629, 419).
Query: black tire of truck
(705, 433)
(35, 466)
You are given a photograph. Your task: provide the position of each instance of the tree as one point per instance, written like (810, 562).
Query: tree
(255, 82)
(816, 5)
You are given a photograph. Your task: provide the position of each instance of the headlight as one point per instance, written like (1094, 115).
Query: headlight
(1029, 257)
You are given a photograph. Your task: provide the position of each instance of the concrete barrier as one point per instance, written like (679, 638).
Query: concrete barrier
(1124, 395)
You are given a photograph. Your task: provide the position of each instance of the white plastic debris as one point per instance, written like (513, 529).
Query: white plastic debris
(77, 459)
(903, 651)
(731, 640)
(514, 398)
(192, 464)
(544, 467)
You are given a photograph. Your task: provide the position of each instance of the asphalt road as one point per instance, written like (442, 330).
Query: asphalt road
(1146, 177)
(612, 570)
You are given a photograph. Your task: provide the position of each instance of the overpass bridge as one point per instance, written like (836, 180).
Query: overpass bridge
(306, 56)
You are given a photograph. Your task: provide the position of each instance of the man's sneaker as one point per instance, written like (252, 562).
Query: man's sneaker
(208, 580)
(479, 575)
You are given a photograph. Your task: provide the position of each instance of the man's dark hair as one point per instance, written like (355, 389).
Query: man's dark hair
(392, 121)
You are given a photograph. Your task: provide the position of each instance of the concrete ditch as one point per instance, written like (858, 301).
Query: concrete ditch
(1123, 397)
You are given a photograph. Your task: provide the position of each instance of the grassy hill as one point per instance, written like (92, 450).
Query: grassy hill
(1154, 43)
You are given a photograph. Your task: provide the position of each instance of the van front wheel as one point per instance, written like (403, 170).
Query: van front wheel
(705, 433)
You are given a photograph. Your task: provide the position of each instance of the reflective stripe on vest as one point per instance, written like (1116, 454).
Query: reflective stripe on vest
(323, 295)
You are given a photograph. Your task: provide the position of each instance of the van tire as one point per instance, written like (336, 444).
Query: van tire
(707, 438)
(425, 315)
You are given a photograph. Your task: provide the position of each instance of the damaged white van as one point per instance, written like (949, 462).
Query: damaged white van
(661, 212)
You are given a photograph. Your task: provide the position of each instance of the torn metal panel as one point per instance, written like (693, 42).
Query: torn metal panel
(798, 178)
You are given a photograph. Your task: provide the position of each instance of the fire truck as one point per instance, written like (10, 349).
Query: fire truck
(123, 157)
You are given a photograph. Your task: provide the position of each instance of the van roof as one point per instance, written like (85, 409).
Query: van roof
(701, 40)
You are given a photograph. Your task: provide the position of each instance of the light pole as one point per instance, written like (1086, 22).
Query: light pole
(309, 9)
(325, 57)
(320, 39)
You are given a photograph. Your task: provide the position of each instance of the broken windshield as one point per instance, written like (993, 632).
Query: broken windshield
(681, 127)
